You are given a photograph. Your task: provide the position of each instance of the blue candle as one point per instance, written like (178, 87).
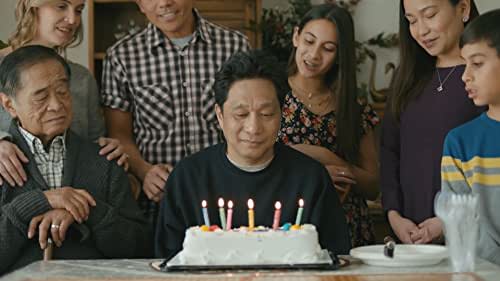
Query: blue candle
(205, 212)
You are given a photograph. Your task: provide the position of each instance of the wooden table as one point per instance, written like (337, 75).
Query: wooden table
(121, 270)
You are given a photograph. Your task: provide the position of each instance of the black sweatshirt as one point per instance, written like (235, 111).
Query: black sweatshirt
(208, 175)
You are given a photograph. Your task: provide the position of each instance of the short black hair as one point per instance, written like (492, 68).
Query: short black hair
(255, 64)
(486, 28)
(21, 59)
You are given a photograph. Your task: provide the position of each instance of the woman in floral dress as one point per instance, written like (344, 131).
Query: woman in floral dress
(322, 116)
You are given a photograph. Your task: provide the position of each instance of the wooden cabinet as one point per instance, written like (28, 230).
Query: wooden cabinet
(104, 16)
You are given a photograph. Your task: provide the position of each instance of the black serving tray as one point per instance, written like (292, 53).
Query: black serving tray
(330, 262)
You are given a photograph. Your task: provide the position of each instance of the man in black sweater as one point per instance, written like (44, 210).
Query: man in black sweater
(250, 164)
(73, 195)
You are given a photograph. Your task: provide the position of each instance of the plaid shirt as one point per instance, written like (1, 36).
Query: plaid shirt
(51, 162)
(169, 89)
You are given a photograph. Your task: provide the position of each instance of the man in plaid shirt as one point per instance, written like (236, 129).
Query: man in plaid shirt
(157, 90)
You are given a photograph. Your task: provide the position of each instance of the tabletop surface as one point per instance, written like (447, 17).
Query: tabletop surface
(140, 269)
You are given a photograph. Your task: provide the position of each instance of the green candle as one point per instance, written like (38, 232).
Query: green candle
(222, 214)
(299, 212)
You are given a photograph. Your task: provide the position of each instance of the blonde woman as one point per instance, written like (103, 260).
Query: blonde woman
(56, 24)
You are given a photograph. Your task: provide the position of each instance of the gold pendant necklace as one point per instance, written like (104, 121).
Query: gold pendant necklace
(441, 84)
(310, 103)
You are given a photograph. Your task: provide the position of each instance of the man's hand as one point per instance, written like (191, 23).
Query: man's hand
(429, 230)
(56, 221)
(113, 149)
(402, 227)
(154, 181)
(75, 201)
(11, 168)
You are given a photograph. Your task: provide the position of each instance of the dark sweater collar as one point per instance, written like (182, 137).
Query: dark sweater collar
(221, 154)
(70, 162)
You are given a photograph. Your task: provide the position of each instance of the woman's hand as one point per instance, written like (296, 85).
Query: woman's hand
(402, 227)
(429, 230)
(11, 168)
(341, 174)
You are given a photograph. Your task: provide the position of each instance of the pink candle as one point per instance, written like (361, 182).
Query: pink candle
(229, 215)
(277, 215)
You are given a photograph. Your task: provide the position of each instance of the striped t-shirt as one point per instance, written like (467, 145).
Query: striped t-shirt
(471, 163)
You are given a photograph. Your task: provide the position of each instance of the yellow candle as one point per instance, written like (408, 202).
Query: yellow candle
(251, 222)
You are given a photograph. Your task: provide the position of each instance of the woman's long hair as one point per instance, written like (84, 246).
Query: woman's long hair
(416, 66)
(27, 25)
(341, 78)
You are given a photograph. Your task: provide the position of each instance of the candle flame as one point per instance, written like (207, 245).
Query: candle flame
(277, 205)
(204, 204)
(230, 204)
(221, 203)
(301, 202)
(250, 204)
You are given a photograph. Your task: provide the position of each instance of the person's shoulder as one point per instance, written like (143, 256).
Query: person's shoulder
(88, 151)
(201, 158)
(78, 71)
(297, 159)
(85, 146)
(128, 42)
(5, 51)
(468, 130)
(219, 31)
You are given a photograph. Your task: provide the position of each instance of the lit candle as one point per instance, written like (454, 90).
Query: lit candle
(229, 214)
(299, 212)
(251, 223)
(222, 214)
(205, 212)
(277, 214)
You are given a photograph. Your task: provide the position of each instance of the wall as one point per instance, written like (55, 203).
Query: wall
(371, 17)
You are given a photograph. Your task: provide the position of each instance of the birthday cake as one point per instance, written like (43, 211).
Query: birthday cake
(260, 246)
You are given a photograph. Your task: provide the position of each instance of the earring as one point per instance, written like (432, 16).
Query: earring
(465, 19)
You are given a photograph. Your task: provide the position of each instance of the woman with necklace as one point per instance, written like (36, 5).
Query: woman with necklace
(322, 117)
(429, 99)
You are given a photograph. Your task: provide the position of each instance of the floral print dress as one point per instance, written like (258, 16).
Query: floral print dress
(301, 126)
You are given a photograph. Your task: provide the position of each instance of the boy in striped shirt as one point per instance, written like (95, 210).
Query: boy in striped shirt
(471, 155)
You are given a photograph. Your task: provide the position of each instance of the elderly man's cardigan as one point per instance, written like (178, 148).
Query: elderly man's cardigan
(115, 227)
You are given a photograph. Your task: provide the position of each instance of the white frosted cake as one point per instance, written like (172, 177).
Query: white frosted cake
(242, 247)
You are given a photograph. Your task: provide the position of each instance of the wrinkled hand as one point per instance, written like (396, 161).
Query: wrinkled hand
(341, 174)
(154, 181)
(11, 169)
(75, 201)
(402, 227)
(113, 149)
(56, 221)
(429, 230)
